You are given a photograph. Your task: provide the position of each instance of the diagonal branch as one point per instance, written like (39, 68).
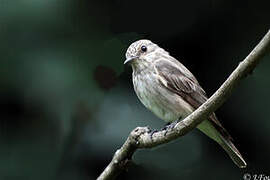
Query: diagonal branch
(140, 137)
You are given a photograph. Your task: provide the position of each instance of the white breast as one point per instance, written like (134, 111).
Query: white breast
(162, 102)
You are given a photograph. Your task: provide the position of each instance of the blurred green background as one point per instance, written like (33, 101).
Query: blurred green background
(67, 102)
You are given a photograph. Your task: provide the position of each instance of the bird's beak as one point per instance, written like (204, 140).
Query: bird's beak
(127, 61)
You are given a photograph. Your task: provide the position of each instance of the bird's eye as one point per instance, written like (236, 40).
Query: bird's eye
(143, 48)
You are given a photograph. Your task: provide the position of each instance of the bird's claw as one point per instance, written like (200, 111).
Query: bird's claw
(169, 126)
(152, 132)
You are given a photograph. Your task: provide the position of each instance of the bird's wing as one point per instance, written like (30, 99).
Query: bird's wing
(176, 78)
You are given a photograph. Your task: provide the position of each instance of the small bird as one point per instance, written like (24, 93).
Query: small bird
(168, 89)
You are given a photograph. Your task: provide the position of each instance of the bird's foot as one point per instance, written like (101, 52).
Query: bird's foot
(151, 132)
(169, 126)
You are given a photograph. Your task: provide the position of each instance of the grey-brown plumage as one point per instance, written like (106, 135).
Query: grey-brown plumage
(171, 92)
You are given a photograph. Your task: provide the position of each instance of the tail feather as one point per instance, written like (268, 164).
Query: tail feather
(232, 151)
(222, 137)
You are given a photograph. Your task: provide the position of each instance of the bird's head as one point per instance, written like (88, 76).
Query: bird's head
(142, 53)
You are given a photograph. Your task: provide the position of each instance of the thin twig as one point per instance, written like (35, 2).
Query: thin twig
(141, 138)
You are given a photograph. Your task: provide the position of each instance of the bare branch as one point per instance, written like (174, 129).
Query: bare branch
(140, 136)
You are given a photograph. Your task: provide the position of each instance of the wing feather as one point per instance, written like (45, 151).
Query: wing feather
(182, 82)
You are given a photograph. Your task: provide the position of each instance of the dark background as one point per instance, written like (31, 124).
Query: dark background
(67, 102)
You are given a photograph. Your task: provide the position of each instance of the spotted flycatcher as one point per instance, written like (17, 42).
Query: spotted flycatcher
(168, 89)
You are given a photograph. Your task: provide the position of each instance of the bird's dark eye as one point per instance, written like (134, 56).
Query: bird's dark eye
(143, 48)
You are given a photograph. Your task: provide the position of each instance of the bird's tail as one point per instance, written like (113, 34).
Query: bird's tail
(234, 154)
(222, 137)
